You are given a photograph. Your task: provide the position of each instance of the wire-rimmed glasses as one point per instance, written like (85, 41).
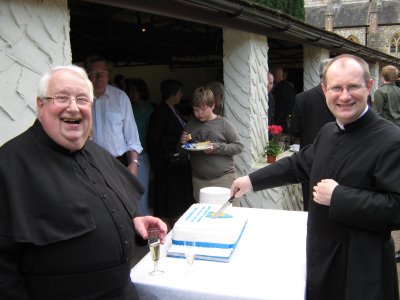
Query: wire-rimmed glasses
(65, 100)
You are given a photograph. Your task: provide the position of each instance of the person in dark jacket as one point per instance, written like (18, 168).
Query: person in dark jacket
(284, 95)
(353, 169)
(173, 192)
(310, 113)
(271, 99)
(387, 97)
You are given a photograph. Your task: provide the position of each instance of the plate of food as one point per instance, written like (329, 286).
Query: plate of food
(200, 146)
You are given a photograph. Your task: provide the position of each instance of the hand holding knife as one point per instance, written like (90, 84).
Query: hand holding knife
(225, 205)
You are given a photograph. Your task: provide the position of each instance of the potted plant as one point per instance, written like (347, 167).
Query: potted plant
(273, 148)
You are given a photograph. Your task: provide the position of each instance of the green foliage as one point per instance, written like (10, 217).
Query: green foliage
(294, 8)
(273, 148)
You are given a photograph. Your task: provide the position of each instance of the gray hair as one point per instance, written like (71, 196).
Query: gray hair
(44, 81)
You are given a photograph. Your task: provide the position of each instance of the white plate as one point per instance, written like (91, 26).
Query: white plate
(195, 146)
(295, 148)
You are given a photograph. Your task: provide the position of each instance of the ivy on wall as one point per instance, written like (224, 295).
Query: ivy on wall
(294, 8)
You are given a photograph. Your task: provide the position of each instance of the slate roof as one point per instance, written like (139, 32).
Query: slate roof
(354, 15)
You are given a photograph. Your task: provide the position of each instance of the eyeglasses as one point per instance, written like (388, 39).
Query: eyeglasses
(95, 74)
(65, 100)
(353, 88)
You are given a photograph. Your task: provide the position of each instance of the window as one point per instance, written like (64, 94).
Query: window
(395, 45)
(354, 39)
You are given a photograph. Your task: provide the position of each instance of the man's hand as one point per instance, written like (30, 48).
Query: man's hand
(141, 225)
(323, 191)
(241, 186)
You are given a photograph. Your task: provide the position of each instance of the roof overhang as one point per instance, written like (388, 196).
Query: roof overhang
(250, 17)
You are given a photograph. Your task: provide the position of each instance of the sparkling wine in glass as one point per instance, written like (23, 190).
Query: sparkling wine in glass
(190, 252)
(154, 245)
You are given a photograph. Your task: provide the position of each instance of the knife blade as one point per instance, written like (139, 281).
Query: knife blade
(224, 206)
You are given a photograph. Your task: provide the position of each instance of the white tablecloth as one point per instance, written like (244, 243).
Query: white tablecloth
(269, 263)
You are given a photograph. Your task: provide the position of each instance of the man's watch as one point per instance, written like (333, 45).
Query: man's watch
(136, 161)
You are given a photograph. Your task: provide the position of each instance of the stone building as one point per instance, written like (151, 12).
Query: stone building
(372, 23)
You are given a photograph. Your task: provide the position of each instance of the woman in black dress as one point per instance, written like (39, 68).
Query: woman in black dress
(172, 175)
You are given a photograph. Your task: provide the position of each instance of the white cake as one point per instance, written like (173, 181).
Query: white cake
(215, 239)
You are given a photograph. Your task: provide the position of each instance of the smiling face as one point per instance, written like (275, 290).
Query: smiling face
(68, 125)
(345, 89)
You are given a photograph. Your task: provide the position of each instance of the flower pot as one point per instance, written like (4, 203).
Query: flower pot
(271, 159)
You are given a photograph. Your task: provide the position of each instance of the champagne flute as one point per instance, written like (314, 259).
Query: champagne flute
(154, 245)
(190, 252)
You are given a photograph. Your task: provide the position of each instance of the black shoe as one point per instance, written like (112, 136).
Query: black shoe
(397, 256)
(139, 241)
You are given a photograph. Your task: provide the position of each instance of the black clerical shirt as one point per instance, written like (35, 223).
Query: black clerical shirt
(66, 227)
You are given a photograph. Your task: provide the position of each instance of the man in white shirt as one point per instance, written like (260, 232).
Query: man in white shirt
(114, 126)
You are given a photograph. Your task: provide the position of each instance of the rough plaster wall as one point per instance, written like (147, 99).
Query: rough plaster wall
(245, 76)
(34, 36)
(312, 59)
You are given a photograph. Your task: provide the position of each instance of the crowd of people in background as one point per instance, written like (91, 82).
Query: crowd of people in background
(301, 115)
(168, 173)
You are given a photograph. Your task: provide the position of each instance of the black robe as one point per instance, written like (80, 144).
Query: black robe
(350, 253)
(310, 113)
(173, 192)
(66, 227)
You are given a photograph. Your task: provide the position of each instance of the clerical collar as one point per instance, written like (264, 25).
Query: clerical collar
(342, 127)
(45, 139)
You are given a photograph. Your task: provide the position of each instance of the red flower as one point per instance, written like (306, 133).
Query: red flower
(275, 129)
(273, 147)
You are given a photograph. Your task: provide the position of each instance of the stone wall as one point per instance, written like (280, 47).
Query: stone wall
(386, 36)
(308, 3)
(379, 41)
(34, 36)
(359, 33)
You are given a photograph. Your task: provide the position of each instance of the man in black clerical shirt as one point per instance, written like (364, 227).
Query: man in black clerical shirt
(67, 207)
(353, 169)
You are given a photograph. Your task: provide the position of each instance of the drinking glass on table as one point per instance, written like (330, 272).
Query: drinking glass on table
(154, 245)
(190, 252)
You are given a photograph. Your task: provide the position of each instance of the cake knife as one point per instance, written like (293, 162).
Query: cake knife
(224, 206)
